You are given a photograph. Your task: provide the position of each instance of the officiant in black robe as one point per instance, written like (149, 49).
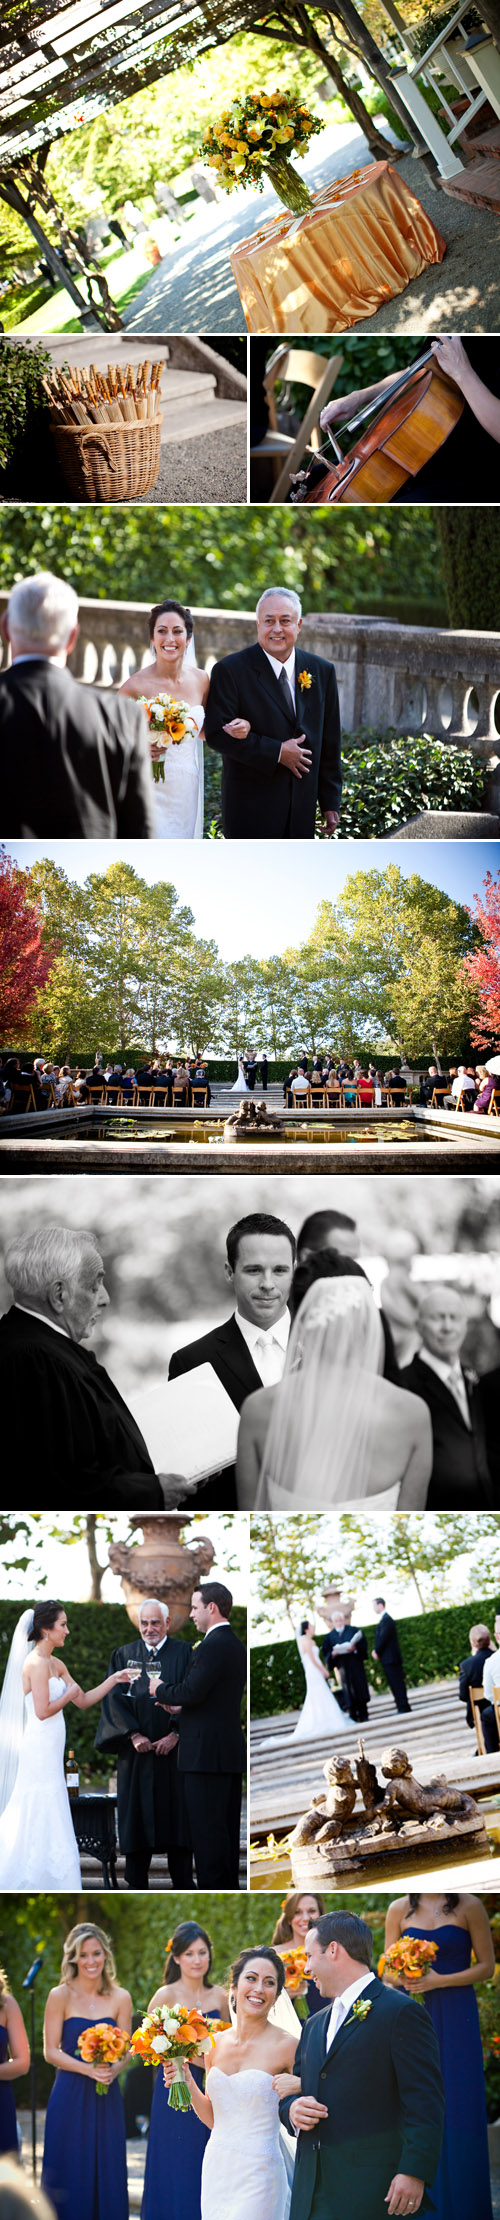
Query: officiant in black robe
(152, 1813)
(270, 789)
(351, 1666)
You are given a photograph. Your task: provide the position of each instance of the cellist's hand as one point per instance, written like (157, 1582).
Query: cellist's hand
(338, 412)
(451, 356)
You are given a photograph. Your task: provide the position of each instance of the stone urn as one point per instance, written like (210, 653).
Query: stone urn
(161, 1565)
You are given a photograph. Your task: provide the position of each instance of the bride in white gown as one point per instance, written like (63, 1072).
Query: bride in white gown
(38, 1848)
(244, 2175)
(320, 1714)
(240, 1085)
(333, 1430)
(179, 795)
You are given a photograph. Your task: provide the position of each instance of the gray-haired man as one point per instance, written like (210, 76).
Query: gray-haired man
(152, 1813)
(273, 715)
(74, 761)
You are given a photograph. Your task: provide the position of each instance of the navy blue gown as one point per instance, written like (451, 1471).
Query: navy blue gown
(85, 2153)
(8, 2120)
(177, 2143)
(461, 2190)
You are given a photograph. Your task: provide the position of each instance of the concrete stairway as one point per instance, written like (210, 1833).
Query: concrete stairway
(159, 1877)
(191, 406)
(434, 1734)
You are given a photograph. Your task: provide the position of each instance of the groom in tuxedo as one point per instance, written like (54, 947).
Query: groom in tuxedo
(212, 1754)
(248, 1351)
(369, 2119)
(461, 1478)
(273, 715)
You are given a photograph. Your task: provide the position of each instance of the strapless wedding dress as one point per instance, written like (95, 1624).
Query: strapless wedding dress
(244, 2175)
(38, 1848)
(273, 1497)
(240, 1085)
(320, 1715)
(179, 800)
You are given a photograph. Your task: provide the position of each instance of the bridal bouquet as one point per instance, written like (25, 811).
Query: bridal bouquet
(256, 135)
(102, 2045)
(173, 2032)
(409, 1958)
(294, 1961)
(171, 721)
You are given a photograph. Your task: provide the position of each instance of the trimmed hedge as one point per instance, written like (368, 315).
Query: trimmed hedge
(431, 1648)
(95, 1630)
(386, 781)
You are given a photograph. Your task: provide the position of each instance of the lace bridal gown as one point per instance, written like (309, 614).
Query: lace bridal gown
(38, 1847)
(179, 801)
(244, 2176)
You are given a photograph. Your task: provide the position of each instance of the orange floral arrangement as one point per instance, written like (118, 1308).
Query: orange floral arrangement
(409, 1958)
(102, 2045)
(294, 1961)
(171, 2032)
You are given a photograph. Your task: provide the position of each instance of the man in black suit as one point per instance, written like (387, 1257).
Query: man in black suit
(273, 715)
(471, 1669)
(212, 1753)
(249, 1350)
(263, 1073)
(75, 761)
(56, 1401)
(151, 1804)
(388, 1652)
(460, 1479)
(369, 2119)
(251, 1069)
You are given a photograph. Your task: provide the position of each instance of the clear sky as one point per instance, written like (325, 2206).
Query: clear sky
(258, 900)
(63, 1570)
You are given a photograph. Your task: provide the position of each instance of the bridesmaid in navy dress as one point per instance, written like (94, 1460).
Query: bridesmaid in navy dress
(177, 2140)
(460, 1926)
(297, 1914)
(14, 2060)
(85, 2158)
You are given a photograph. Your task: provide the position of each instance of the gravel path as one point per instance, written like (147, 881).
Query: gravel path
(195, 471)
(194, 290)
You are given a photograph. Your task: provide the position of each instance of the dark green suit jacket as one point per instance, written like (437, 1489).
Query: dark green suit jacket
(382, 2083)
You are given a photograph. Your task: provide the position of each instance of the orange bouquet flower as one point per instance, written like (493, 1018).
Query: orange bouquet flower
(171, 2032)
(102, 2045)
(409, 1958)
(294, 1961)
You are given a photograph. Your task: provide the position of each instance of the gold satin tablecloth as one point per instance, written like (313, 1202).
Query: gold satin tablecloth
(362, 242)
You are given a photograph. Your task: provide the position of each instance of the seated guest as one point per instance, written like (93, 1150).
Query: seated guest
(145, 1076)
(365, 1088)
(491, 1681)
(52, 1389)
(64, 1082)
(464, 1084)
(299, 1083)
(487, 1082)
(129, 1081)
(80, 1083)
(427, 1085)
(471, 1668)
(462, 1408)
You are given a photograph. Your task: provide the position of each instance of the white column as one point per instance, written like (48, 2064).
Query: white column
(447, 159)
(484, 61)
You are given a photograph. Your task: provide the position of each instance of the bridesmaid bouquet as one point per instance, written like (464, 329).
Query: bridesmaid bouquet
(102, 2045)
(409, 1958)
(255, 137)
(171, 2032)
(172, 720)
(294, 1961)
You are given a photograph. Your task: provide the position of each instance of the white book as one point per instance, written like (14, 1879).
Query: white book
(190, 1425)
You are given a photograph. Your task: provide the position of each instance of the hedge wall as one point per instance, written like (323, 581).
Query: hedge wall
(431, 1648)
(95, 1630)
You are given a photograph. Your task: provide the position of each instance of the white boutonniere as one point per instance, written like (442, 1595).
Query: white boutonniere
(471, 1378)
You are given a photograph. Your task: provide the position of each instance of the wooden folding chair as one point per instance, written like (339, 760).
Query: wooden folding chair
(199, 1096)
(303, 367)
(476, 1699)
(494, 1104)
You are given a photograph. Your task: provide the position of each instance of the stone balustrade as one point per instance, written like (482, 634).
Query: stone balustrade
(411, 678)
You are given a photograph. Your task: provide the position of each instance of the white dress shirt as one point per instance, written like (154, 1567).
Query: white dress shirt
(491, 1675)
(342, 2005)
(289, 667)
(450, 1370)
(268, 1346)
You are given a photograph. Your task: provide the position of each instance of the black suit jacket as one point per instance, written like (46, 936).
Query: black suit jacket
(260, 800)
(211, 1736)
(386, 1641)
(471, 1671)
(57, 1403)
(382, 2083)
(75, 762)
(151, 1804)
(225, 1349)
(460, 1475)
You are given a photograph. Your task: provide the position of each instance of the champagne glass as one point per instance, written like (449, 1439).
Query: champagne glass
(135, 1672)
(154, 1677)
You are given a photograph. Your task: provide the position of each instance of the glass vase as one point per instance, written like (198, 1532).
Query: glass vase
(290, 188)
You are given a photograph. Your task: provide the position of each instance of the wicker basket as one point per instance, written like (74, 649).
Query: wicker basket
(109, 462)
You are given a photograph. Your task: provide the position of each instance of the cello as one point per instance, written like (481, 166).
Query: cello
(398, 433)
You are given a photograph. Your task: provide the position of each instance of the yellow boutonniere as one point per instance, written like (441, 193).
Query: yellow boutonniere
(305, 679)
(361, 2008)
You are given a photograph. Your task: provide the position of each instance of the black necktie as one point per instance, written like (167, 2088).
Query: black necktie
(286, 691)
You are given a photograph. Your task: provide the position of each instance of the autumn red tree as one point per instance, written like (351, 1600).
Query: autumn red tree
(483, 967)
(25, 961)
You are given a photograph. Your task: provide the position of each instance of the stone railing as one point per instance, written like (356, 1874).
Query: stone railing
(411, 678)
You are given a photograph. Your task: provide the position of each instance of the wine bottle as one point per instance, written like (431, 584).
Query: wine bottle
(72, 1774)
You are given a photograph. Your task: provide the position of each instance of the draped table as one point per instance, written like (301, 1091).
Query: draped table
(362, 242)
(94, 1820)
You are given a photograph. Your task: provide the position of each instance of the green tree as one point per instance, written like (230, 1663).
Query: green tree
(127, 950)
(470, 547)
(404, 943)
(294, 1558)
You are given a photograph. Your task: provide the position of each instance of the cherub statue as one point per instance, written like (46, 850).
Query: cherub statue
(366, 1777)
(328, 1816)
(405, 1795)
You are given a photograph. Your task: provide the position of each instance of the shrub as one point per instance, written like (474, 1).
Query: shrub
(21, 400)
(431, 1649)
(386, 780)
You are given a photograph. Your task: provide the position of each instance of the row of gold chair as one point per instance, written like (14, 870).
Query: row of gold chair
(477, 1698)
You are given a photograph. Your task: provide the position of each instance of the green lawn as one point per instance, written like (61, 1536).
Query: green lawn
(126, 274)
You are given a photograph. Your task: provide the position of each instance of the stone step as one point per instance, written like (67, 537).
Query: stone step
(181, 420)
(444, 824)
(486, 142)
(479, 185)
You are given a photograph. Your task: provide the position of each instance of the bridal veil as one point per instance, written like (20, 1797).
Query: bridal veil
(321, 1422)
